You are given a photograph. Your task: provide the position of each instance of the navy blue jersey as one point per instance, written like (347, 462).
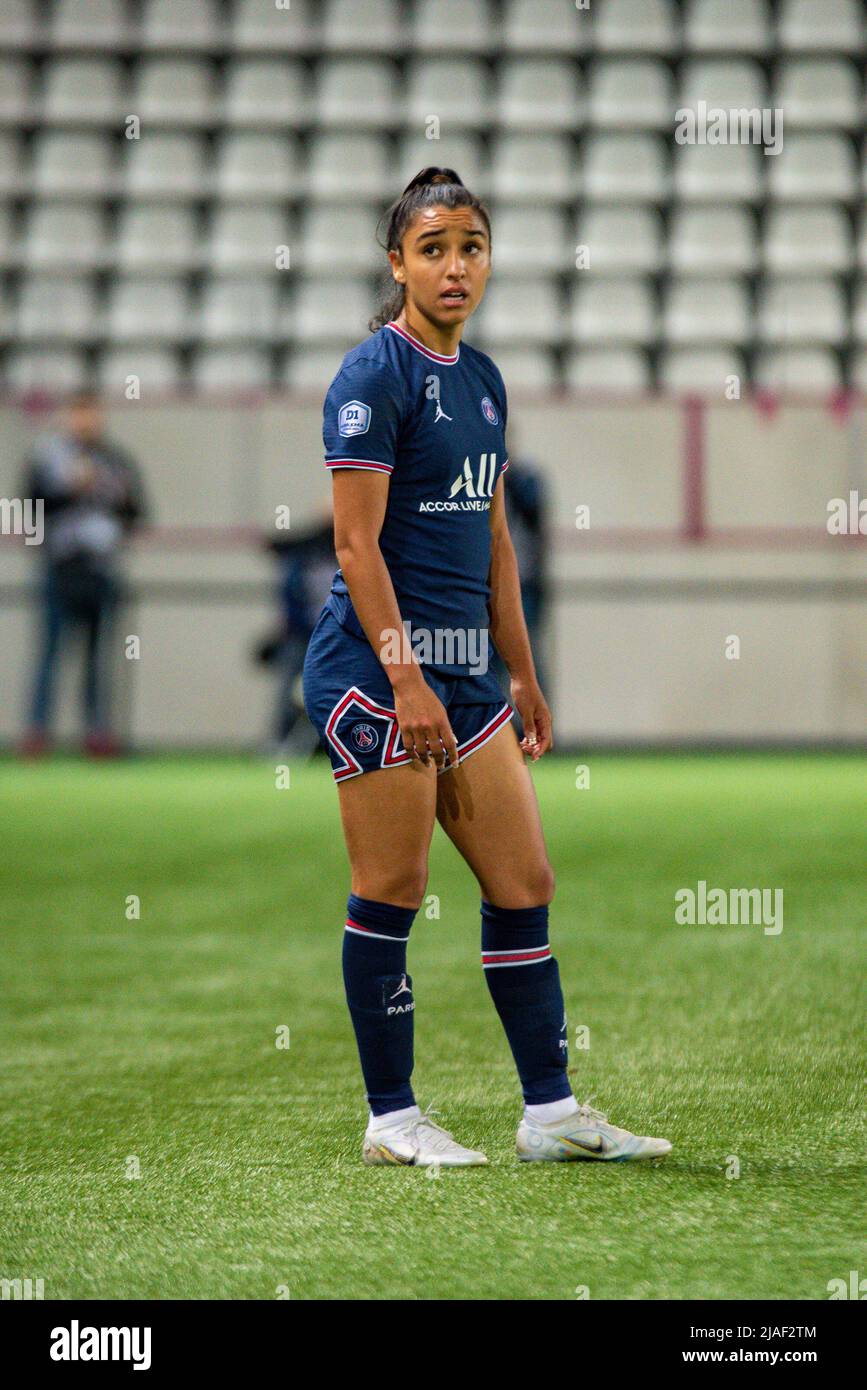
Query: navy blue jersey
(435, 424)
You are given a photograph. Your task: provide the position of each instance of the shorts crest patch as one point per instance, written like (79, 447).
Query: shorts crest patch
(353, 418)
(364, 737)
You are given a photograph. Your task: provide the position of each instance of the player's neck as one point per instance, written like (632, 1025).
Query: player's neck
(444, 341)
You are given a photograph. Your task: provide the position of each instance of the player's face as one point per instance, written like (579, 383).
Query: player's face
(444, 263)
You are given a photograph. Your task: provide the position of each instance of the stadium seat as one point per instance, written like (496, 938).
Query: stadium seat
(704, 370)
(231, 369)
(519, 313)
(356, 93)
(859, 371)
(340, 239)
(526, 369)
(861, 248)
(168, 166)
(859, 313)
(712, 241)
(819, 92)
(79, 90)
(22, 24)
(157, 369)
(63, 234)
(73, 165)
(265, 29)
(16, 103)
(258, 167)
(12, 177)
(329, 311)
(358, 26)
(813, 168)
(807, 241)
(537, 26)
(351, 165)
(174, 92)
(456, 90)
(52, 307)
(154, 237)
(46, 369)
(798, 369)
(802, 311)
(537, 94)
(149, 310)
(181, 24)
(830, 25)
(267, 92)
(452, 24)
(642, 26)
(620, 240)
(613, 311)
(9, 255)
(728, 26)
(630, 92)
(607, 369)
(723, 83)
(715, 173)
(462, 152)
(531, 240)
(78, 24)
(534, 169)
(245, 239)
(625, 168)
(238, 309)
(706, 311)
(311, 370)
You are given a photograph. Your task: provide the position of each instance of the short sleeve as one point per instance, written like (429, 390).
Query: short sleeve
(503, 405)
(361, 418)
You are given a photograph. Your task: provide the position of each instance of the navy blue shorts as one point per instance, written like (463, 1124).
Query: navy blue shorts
(350, 702)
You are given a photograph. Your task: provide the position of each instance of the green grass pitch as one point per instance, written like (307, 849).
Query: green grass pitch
(149, 1046)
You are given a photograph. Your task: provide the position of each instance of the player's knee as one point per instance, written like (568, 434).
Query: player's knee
(543, 883)
(403, 887)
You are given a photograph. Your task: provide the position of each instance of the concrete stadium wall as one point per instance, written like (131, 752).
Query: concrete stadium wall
(705, 522)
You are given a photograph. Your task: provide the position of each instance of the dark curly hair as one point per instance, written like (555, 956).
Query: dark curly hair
(430, 187)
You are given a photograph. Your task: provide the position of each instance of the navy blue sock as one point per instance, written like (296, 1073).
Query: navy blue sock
(524, 982)
(379, 995)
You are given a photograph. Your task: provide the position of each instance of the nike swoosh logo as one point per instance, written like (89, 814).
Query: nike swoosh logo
(584, 1144)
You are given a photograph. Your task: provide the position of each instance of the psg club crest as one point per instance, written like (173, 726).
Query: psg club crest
(489, 412)
(364, 737)
(353, 418)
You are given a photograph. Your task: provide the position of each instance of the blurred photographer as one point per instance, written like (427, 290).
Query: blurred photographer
(93, 498)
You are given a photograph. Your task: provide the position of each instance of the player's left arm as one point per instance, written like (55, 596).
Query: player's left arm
(509, 632)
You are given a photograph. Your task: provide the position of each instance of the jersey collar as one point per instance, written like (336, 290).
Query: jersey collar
(420, 347)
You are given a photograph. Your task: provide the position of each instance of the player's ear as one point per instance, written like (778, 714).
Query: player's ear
(397, 267)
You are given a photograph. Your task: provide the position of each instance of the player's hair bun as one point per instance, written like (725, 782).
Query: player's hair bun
(432, 175)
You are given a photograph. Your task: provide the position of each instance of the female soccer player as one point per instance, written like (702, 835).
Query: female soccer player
(396, 682)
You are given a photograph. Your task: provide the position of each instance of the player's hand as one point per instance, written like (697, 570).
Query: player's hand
(535, 715)
(424, 725)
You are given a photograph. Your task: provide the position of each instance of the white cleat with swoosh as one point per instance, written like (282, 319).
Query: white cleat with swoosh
(418, 1142)
(584, 1135)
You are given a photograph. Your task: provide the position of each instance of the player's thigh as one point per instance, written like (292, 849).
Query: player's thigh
(388, 819)
(488, 808)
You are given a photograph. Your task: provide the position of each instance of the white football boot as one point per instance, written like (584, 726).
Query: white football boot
(585, 1134)
(420, 1142)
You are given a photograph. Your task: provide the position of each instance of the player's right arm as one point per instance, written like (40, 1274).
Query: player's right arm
(361, 461)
